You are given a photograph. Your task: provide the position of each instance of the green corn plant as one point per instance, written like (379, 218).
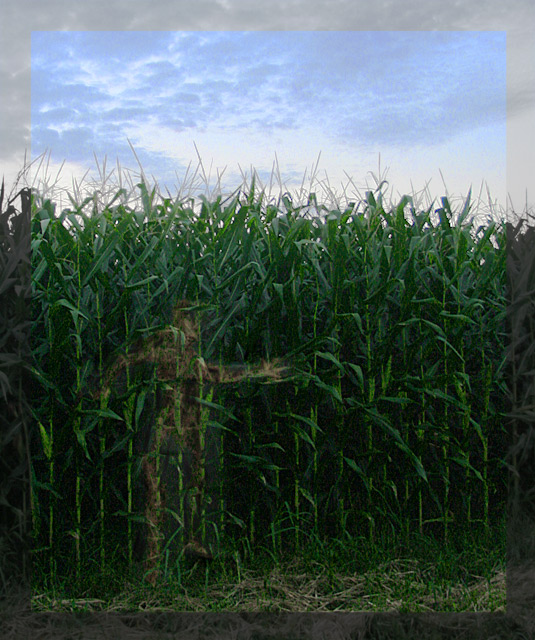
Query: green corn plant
(383, 321)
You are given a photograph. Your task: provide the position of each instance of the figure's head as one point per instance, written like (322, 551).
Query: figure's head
(184, 320)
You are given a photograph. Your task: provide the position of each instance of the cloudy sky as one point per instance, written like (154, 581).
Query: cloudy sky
(445, 93)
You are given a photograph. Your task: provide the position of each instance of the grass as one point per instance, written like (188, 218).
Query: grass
(333, 576)
(391, 425)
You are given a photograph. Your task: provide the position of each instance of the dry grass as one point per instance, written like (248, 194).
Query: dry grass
(401, 585)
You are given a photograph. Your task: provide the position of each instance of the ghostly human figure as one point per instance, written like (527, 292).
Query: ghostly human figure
(177, 427)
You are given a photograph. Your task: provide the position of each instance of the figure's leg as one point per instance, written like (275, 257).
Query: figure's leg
(153, 513)
(190, 422)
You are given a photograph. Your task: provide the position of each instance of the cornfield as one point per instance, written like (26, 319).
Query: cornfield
(389, 413)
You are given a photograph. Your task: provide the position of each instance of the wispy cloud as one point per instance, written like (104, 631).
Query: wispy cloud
(256, 93)
(349, 92)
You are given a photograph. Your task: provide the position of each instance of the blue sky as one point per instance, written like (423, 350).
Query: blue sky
(426, 101)
(421, 84)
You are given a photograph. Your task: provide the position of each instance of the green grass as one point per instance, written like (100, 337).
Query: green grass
(333, 576)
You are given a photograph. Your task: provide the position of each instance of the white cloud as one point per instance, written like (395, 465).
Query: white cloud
(22, 16)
